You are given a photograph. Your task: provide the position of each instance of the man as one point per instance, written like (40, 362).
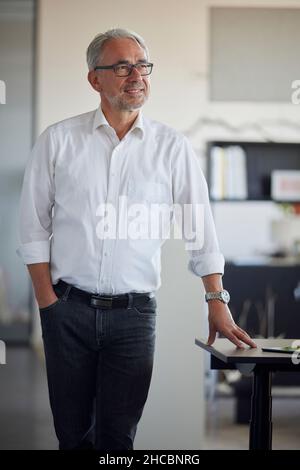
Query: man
(96, 292)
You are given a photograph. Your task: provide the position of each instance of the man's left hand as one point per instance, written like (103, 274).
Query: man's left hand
(220, 321)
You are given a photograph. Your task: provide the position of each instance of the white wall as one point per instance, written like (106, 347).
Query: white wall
(173, 416)
(176, 33)
(176, 45)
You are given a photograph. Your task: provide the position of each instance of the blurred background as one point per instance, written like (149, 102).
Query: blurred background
(227, 75)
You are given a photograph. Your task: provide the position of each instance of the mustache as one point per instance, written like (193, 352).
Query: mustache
(134, 86)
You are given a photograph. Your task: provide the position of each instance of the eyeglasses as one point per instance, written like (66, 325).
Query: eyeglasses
(124, 70)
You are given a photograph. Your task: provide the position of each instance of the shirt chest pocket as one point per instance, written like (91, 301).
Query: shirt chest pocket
(148, 192)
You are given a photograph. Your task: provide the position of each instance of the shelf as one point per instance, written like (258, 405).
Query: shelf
(261, 159)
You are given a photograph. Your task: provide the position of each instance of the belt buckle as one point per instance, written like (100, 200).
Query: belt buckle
(101, 301)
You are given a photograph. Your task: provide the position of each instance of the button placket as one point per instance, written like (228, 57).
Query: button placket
(108, 244)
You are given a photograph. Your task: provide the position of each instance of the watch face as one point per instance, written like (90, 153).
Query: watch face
(225, 296)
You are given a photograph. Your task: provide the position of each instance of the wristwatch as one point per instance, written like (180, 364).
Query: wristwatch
(222, 295)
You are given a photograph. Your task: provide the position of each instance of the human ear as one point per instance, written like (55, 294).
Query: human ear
(93, 78)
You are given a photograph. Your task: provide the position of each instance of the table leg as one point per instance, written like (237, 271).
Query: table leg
(261, 410)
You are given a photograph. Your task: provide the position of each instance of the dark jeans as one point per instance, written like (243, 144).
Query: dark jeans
(99, 366)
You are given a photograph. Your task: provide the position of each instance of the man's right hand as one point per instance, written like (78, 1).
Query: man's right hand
(47, 301)
(42, 283)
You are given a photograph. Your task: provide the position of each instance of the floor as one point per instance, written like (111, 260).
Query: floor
(222, 432)
(25, 417)
(26, 422)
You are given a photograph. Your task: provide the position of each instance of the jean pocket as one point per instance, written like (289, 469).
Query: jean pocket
(51, 306)
(147, 308)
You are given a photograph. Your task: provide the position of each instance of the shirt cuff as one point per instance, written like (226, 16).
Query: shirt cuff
(208, 263)
(35, 252)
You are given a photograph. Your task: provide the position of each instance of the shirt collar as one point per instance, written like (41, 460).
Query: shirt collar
(100, 120)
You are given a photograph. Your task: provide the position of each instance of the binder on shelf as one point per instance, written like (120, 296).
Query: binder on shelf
(228, 173)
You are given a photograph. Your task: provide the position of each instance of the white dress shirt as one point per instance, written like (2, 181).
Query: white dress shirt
(80, 163)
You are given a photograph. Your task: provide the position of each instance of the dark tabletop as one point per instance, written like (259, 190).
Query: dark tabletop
(227, 352)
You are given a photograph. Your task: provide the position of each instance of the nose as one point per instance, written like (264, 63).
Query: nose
(135, 73)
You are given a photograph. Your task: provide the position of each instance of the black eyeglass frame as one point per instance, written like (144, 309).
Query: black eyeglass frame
(131, 66)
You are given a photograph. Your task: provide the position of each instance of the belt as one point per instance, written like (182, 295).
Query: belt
(103, 301)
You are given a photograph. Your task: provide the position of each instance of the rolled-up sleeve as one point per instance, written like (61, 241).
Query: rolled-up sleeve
(190, 193)
(36, 202)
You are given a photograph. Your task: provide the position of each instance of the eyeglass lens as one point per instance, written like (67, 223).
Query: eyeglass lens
(122, 70)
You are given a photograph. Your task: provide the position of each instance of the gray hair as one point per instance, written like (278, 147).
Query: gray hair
(95, 48)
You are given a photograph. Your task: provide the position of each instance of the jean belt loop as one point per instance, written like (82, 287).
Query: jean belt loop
(66, 294)
(130, 300)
